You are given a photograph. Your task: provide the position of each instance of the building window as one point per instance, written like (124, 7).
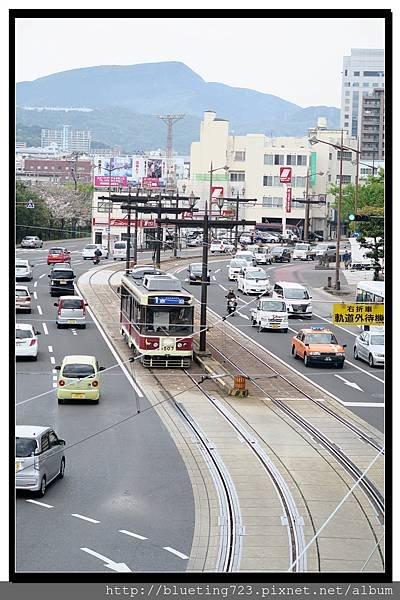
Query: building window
(240, 155)
(291, 159)
(269, 202)
(373, 74)
(302, 160)
(347, 93)
(329, 177)
(366, 84)
(346, 116)
(345, 179)
(277, 182)
(345, 72)
(356, 84)
(347, 84)
(236, 176)
(268, 180)
(279, 159)
(346, 155)
(330, 155)
(268, 159)
(300, 181)
(346, 123)
(356, 73)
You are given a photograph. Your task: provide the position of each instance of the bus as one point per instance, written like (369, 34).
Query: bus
(156, 320)
(370, 291)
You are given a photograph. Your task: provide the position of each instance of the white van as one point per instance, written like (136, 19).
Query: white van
(120, 248)
(270, 314)
(296, 296)
(302, 252)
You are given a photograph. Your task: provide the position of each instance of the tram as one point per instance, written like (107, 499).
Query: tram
(370, 291)
(156, 320)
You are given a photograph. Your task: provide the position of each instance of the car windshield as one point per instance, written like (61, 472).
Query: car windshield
(301, 247)
(196, 268)
(256, 275)
(273, 306)
(321, 247)
(320, 338)
(120, 246)
(21, 293)
(238, 264)
(21, 266)
(296, 294)
(377, 340)
(25, 447)
(78, 371)
(62, 274)
(277, 250)
(23, 334)
(71, 303)
(90, 247)
(55, 251)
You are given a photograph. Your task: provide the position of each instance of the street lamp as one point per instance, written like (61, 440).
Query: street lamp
(220, 202)
(307, 215)
(110, 170)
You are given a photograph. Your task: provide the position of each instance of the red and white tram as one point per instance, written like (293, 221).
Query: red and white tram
(156, 320)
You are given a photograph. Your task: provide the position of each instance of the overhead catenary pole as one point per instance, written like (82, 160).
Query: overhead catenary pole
(357, 175)
(307, 213)
(338, 219)
(128, 245)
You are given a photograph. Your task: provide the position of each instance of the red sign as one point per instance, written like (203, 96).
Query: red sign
(124, 222)
(285, 175)
(104, 180)
(289, 200)
(216, 192)
(150, 182)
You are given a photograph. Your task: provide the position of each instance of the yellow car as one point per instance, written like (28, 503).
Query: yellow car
(78, 379)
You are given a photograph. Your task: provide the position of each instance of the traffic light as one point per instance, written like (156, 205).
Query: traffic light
(353, 217)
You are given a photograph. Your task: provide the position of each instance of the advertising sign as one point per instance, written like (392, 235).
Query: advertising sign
(104, 181)
(289, 200)
(285, 174)
(152, 182)
(216, 191)
(358, 314)
(154, 168)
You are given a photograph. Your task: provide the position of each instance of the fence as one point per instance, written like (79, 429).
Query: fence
(52, 233)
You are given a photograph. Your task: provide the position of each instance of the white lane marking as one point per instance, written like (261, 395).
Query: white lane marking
(50, 349)
(40, 503)
(214, 278)
(52, 360)
(241, 300)
(54, 371)
(364, 371)
(353, 385)
(54, 384)
(110, 564)
(84, 518)
(73, 331)
(244, 316)
(222, 287)
(342, 402)
(173, 551)
(40, 310)
(44, 275)
(35, 295)
(366, 404)
(114, 353)
(217, 270)
(135, 535)
(55, 377)
(35, 284)
(46, 331)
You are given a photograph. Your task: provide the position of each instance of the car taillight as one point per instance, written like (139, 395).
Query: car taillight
(33, 342)
(95, 383)
(61, 383)
(83, 308)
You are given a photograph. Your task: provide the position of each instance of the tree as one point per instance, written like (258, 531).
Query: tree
(370, 193)
(67, 204)
(29, 221)
(372, 236)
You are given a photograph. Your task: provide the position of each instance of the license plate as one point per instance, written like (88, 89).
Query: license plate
(71, 322)
(274, 326)
(17, 466)
(63, 281)
(78, 396)
(328, 358)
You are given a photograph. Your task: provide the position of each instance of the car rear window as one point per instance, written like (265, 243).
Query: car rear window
(120, 246)
(78, 370)
(25, 447)
(23, 334)
(90, 246)
(21, 293)
(62, 274)
(55, 250)
(377, 340)
(71, 303)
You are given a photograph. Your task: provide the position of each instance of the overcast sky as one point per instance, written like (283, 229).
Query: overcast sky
(297, 59)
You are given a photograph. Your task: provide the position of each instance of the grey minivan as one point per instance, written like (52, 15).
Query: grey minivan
(39, 458)
(71, 310)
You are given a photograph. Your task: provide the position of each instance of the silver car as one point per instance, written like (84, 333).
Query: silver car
(31, 241)
(71, 311)
(23, 270)
(39, 458)
(370, 346)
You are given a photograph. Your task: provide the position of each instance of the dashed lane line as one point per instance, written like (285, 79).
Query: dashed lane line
(89, 519)
(222, 287)
(44, 275)
(35, 284)
(176, 552)
(40, 310)
(244, 316)
(35, 295)
(135, 535)
(50, 349)
(52, 360)
(40, 503)
(46, 331)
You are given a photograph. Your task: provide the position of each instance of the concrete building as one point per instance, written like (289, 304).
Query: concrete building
(40, 170)
(71, 140)
(254, 162)
(363, 72)
(372, 130)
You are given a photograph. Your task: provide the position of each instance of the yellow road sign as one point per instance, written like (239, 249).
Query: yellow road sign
(358, 314)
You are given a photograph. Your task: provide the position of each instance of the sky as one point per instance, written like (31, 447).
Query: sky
(297, 59)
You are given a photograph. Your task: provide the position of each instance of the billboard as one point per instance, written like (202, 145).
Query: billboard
(289, 200)
(154, 168)
(121, 166)
(104, 181)
(285, 174)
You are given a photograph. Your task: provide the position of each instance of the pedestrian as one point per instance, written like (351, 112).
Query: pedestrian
(347, 259)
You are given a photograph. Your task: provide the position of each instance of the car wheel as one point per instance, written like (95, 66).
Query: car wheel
(371, 361)
(58, 325)
(294, 352)
(253, 322)
(355, 353)
(83, 326)
(61, 401)
(340, 365)
(62, 469)
(96, 401)
(34, 358)
(306, 361)
(115, 259)
(42, 489)
(284, 330)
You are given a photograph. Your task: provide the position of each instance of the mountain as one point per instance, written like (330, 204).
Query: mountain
(137, 91)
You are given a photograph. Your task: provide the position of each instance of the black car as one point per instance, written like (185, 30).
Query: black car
(281, 254)
(315, 237)
(62, 281)
(195, 271)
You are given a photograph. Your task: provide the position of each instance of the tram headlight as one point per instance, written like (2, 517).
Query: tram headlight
(179, 345)
(155, 344)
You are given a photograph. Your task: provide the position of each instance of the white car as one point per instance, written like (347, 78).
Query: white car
(262, 256)
(217, 246)
(370, 346)
(23, 300)
(229, 246)
(31, 241)
(26, 341)
(245, 239)
(89, 250)
(296, 296)
(254, 281)
(270, 314)
(302, 252)
(23, 270)
(271, 238)
(246, 255)
(235, 267)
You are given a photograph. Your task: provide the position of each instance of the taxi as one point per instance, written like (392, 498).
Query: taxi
(78, 379)
(318, 345)
(58, 255)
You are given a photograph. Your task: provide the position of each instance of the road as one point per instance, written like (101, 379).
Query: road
(357, 385)
(107, 510)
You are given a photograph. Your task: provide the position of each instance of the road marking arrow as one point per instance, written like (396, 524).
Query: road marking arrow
(110, 564)
(353, 385)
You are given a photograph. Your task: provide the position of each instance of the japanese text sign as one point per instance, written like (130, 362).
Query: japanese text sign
(358, 314)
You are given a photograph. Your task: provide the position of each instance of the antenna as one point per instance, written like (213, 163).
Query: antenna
(170, 120)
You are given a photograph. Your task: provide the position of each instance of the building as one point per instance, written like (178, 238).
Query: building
(372, 130)
(253, 164)
(41, 170)
(70, 140)
(363, 72)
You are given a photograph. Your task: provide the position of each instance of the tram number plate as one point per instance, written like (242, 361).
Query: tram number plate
(167, 346)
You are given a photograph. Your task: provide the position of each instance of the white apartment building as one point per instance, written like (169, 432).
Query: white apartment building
(363, 71)
(253, 164)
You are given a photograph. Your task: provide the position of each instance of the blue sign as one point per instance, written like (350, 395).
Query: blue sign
(168, 300)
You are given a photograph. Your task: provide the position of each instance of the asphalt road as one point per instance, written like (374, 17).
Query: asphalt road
(357, 385)
(123, 471)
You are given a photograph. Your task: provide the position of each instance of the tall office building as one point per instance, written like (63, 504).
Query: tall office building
(68, 139)
(372, 130)
(363, 72)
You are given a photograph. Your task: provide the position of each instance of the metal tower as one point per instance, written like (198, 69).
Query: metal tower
(170, 120)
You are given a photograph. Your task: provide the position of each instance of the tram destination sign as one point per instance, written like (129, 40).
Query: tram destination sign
(163, 300)
(358, 314)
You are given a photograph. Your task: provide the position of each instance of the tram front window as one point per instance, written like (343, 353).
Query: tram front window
(169, 320)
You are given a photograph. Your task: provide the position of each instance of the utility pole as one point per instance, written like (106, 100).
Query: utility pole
(339, 208)
(357, 170)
